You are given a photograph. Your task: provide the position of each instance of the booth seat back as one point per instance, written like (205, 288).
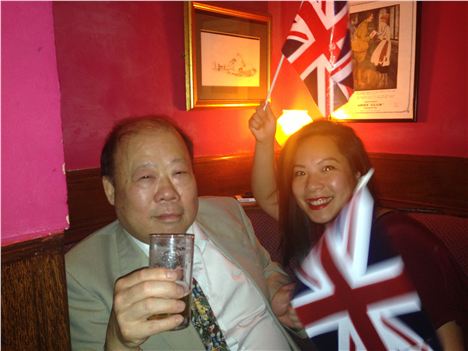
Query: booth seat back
(267, 231)
(452, 231)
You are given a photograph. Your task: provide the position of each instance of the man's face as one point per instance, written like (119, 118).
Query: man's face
(154, 188)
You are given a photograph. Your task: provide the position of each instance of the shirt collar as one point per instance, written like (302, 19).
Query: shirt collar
(200, 237)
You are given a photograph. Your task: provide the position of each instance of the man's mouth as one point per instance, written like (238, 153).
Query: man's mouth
(168, 217)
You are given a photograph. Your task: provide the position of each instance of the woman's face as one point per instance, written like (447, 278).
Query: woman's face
(323, 181)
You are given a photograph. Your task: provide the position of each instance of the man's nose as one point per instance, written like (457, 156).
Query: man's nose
(166, 190)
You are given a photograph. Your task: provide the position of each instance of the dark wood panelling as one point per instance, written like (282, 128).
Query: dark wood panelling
(421, 183)
(89, 209)
(87, 204)
(34, 296)
(228, 175)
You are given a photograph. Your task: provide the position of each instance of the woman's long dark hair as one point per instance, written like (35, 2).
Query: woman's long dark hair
(299, 233)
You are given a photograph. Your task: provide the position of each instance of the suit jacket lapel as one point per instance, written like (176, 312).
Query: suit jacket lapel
(232, 243)
(130, 255)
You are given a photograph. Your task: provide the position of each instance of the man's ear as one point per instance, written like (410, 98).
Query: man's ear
(358, 175)
(109, 189)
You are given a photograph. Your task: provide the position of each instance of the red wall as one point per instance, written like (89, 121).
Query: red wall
(124, 59)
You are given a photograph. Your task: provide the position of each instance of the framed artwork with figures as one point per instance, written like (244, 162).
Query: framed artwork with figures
(384, 48)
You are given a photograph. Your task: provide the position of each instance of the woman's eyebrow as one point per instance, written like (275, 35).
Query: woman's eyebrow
(329, 159)
(326, 159)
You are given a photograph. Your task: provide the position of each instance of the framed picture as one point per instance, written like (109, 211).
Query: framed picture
(227, 56)
(384, 52)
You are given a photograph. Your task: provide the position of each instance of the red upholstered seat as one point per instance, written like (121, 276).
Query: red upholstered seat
(452, 231)
(267, 231)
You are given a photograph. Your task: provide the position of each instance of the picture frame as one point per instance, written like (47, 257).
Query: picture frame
(384, 43)
(227, 56)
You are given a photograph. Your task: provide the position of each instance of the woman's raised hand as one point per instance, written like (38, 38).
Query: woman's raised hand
(262, 124)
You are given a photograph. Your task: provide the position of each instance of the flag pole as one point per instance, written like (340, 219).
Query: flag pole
(331, 99)
(273, 82)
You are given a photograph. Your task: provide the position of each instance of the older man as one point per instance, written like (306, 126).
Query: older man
(146, 166)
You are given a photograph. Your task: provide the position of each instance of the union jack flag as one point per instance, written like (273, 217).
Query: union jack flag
(318, 47)
(347, 302)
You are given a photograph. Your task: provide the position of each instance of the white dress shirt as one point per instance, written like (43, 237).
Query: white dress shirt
(236, 302)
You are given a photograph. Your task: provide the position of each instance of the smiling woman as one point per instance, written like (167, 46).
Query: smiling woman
(323, 181)
(320, 166)
(343, 250)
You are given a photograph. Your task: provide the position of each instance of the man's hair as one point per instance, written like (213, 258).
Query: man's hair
(299, 233)
(135, 125)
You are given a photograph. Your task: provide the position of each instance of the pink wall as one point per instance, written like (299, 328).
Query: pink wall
(122, 59)
(33, 184)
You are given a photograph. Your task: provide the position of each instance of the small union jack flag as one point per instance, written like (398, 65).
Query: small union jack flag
(345, 300)
(318, 46)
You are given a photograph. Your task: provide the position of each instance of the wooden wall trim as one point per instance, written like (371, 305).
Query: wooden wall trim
(422, 183)
(87, 204)
(436, 184)
(34, 296)
(89, 209)
(225, 175)
(25, 249)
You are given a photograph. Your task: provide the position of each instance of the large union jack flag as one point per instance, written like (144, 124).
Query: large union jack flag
(318, 46)
(347, 302)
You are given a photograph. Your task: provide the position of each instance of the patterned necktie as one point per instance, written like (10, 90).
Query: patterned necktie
(204, 321)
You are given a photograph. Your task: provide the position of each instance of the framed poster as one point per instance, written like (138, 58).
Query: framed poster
(384, 52)
(227, 56)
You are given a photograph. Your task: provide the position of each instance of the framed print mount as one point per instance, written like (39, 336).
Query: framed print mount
(384, 53)
(227, 56)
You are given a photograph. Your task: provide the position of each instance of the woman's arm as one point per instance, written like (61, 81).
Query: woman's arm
(264, 187)
(451, 336)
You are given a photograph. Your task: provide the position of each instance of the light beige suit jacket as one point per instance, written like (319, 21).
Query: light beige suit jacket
(95, 264)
